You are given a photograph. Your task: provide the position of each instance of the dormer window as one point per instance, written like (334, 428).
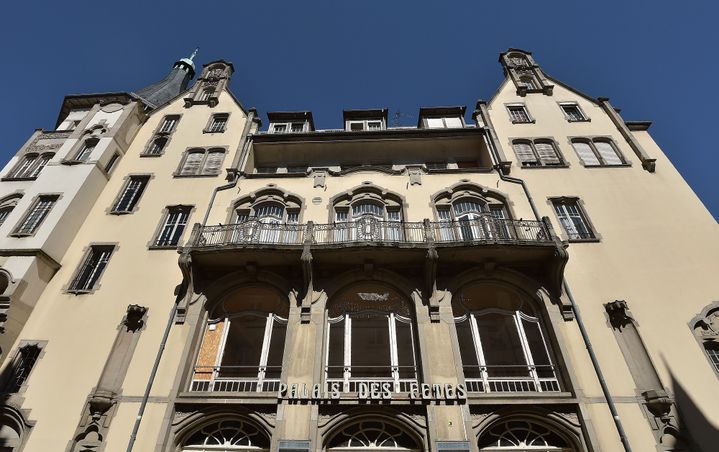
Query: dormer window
(288, 127)
(368, 124)
(449, 122)
(290, 122)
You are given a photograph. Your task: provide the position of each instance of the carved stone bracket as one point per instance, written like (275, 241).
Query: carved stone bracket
(619, 315)
(430, 274)
(133, 319)
(183, 291)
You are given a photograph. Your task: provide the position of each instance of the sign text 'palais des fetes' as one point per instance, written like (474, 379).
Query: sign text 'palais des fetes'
(371, 390)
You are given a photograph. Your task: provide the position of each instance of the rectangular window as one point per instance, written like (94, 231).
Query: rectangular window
(525, 154)
(597, 152)
(41, 163)
(298, 127)
(92, 267)
(199, 162)
(21, 367)
(435, 123)
(279, 128)
(38, 212)
(572, 112)
(218, 123)
(297, 169)
(366, 124)
(111, 163)
(436, 165)
(173, 226)
(129, 196)
(573, 220)
(85, 151)
(169, 123)
(518, 114)
(266, 169)
(24, 168)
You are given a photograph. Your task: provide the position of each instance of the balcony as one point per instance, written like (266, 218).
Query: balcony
(235, 379)
(511, 378)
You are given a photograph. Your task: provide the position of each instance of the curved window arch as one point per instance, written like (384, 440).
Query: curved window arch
(468, 214)
(368, 214)
(7, 205)
(228, 435)
(706, 331)
(370, 338)
(521, 436)
(376, 435)
(26, 167)
(244, 343)
(501, 342)
(267, 217)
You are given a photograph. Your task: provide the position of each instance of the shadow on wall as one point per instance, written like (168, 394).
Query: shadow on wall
(695, 432)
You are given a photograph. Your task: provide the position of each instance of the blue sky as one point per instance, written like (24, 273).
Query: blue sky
(655, 60)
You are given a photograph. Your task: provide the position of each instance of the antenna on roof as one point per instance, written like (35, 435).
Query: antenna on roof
(192, 57)
(397, 119)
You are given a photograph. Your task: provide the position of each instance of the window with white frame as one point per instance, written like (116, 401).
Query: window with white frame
(528, 82)
(521, 435)
(173, 226)
(444, 122)
(597, 152)
(130, 194)
(370, 338)
(227, 435)
(367, 215)
(36, 215)
(206, 94)
(470, 216)
(501, 342)
(573, 220)
(365, 124)
(244, 342)
(91, 268)
(218, 123)
(518, 114)
(572, 112)
(372, 434)
(85, 151)
(111, 163)
(269, 217)
(289, 127)
(30, 166)
(540, 152)
(169, 123)
(202, 162)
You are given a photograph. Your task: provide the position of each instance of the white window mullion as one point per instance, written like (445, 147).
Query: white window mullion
(526, 350)
(220, 353)
(348, 352)
(393, 356)
(261, 370)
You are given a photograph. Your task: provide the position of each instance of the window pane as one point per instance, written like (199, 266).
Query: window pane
(435, 123)
(23, 170)
(585, 152)
(524, 153)
(370, 346)
(405, 350)
(573, 113)
(243, 348)
(36, 215)
(335, 357)
(92, 267)
(453, 122)
(192, 164)
(547, 153)
(374, 125)
(537, 349)
(85, 151)
(279, 128)
(501, 345)
(277, 348)
(213, 163)
(298, 127)
(467, 349)
(357, 125)
(367, 208)
(607, 153)
(518, 114)
(42, 162)
(131, 194)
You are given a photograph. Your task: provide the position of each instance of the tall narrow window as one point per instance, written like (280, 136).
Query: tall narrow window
(597, 152)
(41, 163)
(92, 267)
(111, 163)
(131, 194)
(21, 367)
(86, 150)
(518, 114)
(168, 124)
(218, 123)
(173, 226)
(573, 220)
(38, 212)
(207, 94)
(7, 205)
(24, 168)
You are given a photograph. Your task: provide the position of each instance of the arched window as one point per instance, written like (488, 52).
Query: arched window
(501, 342)
(370, 338)
(376, 435)
(85, 151)
(267, 217)
(706, 331)
(466, 214)
(368, 214)
(243, 343)
(522, 436)
(7, 205)
(231, 435)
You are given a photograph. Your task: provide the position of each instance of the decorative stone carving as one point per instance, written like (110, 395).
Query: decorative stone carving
(133, 320)
(415, 175)
(618, 312)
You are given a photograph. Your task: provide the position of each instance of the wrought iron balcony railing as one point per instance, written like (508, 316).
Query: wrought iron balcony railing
(484, 229)
(511, 378)
(236, 379)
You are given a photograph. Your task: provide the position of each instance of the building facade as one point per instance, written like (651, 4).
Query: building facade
(508, 279)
